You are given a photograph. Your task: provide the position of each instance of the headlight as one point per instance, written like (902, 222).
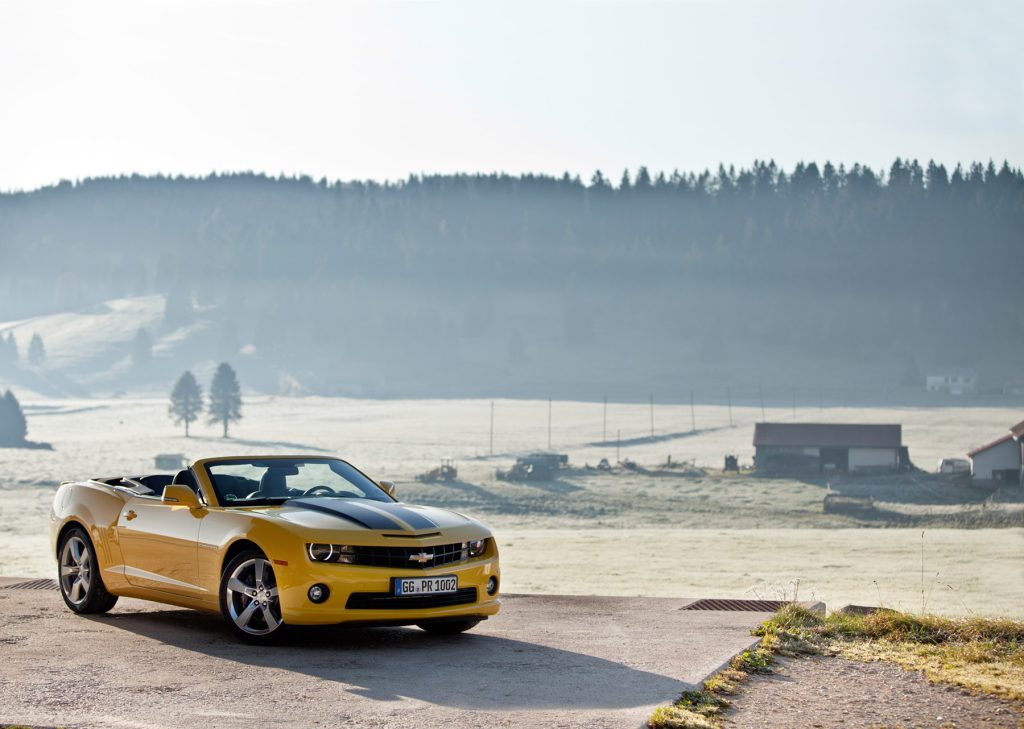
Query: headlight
(476, 548)
(331, 553)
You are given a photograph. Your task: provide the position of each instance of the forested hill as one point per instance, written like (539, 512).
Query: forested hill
(497, 283)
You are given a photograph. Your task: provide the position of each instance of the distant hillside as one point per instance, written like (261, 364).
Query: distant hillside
(492, 284)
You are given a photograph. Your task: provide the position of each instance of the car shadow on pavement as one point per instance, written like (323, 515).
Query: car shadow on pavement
(473, 670)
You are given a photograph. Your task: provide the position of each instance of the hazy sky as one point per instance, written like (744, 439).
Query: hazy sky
(357, 90)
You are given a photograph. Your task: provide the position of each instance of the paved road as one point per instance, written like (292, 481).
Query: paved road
(544, 661)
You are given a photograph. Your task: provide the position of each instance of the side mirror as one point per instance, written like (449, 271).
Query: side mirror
(180, 494)
(389, 487)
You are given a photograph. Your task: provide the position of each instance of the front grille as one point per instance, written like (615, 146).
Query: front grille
(399, 557)
(387, 601)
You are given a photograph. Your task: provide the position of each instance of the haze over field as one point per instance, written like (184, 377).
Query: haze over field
(388, 216)
(814, 277)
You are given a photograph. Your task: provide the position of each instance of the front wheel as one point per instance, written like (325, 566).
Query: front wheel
(79, 575)
(249, 598)
(450, 627)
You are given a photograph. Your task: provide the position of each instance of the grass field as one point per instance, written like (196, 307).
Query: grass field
(589, 532)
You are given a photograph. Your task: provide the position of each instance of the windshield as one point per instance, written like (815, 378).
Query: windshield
(274, 481)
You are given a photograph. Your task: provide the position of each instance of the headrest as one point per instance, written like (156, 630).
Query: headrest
(186, 478)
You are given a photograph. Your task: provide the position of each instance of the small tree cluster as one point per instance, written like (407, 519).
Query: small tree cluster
(13, 428)
(36, 351)
(225, 404)
(8, 349)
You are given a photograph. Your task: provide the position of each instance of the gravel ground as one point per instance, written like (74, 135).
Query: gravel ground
(546, 661)
(836, 692)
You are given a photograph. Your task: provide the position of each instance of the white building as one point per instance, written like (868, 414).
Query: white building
(1014, 386)
(961, 383)
(1000, 459)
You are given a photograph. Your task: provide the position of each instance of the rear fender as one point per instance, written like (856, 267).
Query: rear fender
(96, 507)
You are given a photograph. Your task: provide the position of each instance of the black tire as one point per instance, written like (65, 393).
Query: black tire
(256, 575)
(450, 627)
(78, 575)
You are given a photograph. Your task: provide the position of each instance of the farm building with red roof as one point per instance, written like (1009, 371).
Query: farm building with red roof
(1001, 459)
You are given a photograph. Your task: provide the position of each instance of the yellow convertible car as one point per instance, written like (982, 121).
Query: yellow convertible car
(271, 541)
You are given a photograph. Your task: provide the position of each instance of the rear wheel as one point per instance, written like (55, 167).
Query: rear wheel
(249, 598)
(79, 576)
(450, 627)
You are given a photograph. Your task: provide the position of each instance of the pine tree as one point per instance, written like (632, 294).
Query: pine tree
(937, 178)
(186, 400)
(225, 397)
(829, 178)
(643, 179)
(36, 351)
(142, 349)
(8, 353)
(13, 428)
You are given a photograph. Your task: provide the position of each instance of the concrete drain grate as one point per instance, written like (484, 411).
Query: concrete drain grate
(33, 585)
(749, 606)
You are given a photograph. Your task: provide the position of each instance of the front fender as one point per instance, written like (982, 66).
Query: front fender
(222, 529)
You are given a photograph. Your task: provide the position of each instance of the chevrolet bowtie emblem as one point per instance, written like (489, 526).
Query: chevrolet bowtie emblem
(422, 557)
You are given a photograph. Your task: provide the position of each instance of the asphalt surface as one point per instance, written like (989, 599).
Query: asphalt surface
(543, 661)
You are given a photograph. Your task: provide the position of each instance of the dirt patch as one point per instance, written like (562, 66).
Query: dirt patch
(830, 692)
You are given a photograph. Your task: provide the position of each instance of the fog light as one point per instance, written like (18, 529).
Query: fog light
(492, 586)
(319, 593)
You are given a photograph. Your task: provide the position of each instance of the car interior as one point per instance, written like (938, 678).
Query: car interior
(152, 485)
(232, 488)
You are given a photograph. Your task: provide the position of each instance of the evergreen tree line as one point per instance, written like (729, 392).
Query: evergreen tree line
(757, 221)
(897, 268)
(225, 403)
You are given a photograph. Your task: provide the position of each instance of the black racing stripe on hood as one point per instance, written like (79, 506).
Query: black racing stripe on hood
(410, 516)
(346, 509)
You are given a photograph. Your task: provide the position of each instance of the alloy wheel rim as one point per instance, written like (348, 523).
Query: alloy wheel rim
(75, 570)
(252, 599)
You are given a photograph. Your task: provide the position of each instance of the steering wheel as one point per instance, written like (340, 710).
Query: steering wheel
(315, 489)
(255, 495)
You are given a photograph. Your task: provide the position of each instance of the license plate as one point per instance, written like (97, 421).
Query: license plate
(426, 585)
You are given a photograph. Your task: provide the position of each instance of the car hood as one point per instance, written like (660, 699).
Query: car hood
(363, 514)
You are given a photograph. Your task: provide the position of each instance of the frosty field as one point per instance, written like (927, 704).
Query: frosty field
(587, 532)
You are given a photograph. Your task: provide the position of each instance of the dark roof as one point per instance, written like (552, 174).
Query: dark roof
(828, 435)
(993, 444)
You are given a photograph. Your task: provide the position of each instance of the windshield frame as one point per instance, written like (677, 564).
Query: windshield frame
(280, 500)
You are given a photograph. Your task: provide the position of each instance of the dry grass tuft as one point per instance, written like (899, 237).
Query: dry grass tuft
(982, 655)
(702, 709)
(979, 654)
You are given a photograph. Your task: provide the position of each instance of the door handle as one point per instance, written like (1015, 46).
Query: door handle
(130, 515)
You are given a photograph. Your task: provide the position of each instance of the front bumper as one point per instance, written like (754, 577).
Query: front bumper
(294, 581)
